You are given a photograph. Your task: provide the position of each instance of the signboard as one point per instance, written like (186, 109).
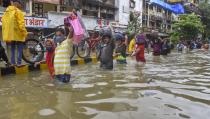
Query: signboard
(33, 22)
(49, 1)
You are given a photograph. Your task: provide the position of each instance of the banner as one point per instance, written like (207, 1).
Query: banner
(49, 1)
(33, 22)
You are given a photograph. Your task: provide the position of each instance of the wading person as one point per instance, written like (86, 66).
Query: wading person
(156, 47)
(106, 58)
(14, 30)
(165, 48)
(139, 48)
(132, 43)
(62, 62)
(120, 51)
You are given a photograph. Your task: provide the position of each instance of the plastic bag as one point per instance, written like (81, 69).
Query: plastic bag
(79, 31)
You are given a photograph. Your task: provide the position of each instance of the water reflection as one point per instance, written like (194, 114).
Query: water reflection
(173, 87)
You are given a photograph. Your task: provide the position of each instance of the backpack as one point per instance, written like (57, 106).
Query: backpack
(140, 39)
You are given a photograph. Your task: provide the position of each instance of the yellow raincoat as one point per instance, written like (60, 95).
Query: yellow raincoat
(131, 47)
(13, 25)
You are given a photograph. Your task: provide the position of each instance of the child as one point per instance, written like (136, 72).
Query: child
(106, 58)
(59, 36)
(50, 47)
(4, 56)
(50, 52)
(120, 51)
(139, 48)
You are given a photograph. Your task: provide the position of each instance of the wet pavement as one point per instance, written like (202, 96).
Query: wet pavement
(172, 87)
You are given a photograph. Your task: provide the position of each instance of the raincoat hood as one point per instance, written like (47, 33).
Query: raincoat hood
(10, 8)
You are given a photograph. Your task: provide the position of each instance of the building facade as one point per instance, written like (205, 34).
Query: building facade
(156, 18)
(98, 13)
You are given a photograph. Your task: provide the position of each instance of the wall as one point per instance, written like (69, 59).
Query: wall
(139, 5)
(123, 12)
(56, 19)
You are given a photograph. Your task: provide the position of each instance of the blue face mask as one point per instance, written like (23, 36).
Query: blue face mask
(49, 49)
(59, 39)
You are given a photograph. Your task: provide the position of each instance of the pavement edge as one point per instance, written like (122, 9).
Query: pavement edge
(30, 68)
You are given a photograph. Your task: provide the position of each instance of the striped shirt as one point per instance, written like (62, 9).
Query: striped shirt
(62, 63)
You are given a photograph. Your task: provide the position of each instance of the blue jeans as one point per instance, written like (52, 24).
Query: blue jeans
(65, 78)
(20, 46)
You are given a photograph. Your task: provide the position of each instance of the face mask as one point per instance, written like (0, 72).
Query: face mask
(49, 49)
(59, 39)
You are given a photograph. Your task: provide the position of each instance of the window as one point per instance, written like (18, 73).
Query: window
(132, 4)
(38, 9)
(89, 13)
(159, 9)
(63, 8)
(151, 7)
(144, 24)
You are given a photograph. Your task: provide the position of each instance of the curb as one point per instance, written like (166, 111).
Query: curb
(30, 68)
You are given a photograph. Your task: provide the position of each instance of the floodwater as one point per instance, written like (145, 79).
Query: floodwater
(172, 87)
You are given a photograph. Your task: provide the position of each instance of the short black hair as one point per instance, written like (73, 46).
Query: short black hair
(60, 30)
(19, 1)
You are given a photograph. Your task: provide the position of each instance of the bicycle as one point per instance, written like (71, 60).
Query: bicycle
(34, 49)
(90, 44)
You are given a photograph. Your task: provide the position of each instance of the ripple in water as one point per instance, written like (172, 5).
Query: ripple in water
(47, 112)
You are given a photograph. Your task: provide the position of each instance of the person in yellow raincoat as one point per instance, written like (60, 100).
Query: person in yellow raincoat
(14, 30)
(131, 47)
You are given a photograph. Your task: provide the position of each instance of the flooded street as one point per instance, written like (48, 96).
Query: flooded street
(172, 87)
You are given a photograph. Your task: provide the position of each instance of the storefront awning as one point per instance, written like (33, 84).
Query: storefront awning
(49, 1)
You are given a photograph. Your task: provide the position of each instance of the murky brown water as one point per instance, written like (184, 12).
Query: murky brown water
(173, 87)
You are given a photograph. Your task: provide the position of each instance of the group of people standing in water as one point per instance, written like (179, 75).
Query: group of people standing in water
(59, 49)
(120, 46)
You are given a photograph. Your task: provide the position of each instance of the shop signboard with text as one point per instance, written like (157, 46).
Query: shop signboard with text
(33, 22)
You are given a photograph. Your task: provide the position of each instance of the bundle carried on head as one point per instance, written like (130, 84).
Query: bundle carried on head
(140, 39)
